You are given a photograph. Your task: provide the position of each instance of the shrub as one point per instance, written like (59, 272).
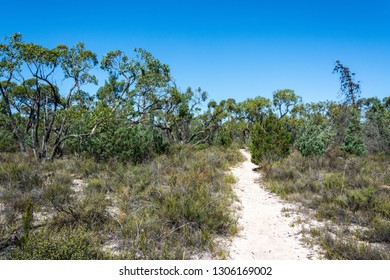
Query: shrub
(96, 185)
(380, 231)
(351, 249)
(269, 141)
(353, 142)
(314, 139)
(59, 194)
(7, 143)
(362, 199)
(170, 208)
(136, 143)
(223, 138)
(67, 244)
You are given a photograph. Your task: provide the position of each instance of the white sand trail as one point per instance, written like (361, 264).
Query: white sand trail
(266, 234)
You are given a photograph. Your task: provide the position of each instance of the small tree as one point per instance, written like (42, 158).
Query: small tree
(270, 141)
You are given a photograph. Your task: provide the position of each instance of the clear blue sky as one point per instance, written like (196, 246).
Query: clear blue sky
(235, 49)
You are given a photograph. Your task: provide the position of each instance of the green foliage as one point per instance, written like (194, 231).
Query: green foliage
(21, 182)
(314, 139)
(58, 192)
(169, 208)
(67, 244)
(270, 141)
(362, 199)
(223, 138)
(285, 101)
(96, 185)
(136, 143)
(254, 110)
(7, 142)
(37, 111)
(354, 142)
(377, 125)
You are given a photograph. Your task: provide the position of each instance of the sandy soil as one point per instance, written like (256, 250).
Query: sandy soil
(266, 233)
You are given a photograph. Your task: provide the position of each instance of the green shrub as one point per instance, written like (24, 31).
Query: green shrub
(353, 142)
(7, 143)
(92, 211)
(334, 182)
(67, 244)
(269, 141)
(362, 199)
(136, 143)
(223, 138)
(169, 208)
(183, 209)
(314, 139)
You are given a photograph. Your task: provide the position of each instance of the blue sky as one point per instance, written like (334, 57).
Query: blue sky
(231, 49)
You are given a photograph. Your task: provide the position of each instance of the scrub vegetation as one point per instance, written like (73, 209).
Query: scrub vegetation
(139, 168)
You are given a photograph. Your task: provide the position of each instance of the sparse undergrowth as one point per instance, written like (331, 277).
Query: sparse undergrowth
(349, 191)
(170, 208)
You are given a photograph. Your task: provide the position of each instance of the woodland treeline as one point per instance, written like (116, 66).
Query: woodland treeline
(139, 111)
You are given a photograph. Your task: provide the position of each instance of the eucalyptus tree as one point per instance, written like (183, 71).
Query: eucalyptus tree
(10, 66)
(39, 113)
(254, 110)
(142, 83)
(177, 116)
(285, 101)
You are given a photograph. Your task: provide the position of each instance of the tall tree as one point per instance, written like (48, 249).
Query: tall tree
(348, 87)
(31, 95)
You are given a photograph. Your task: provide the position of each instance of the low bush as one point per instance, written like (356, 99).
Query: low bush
(351, 249)
(66, 244)
(136, 143)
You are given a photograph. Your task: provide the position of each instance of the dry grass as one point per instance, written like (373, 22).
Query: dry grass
(348, 191)
(170, 208)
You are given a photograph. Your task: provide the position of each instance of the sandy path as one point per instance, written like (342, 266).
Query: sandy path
(265, 232)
